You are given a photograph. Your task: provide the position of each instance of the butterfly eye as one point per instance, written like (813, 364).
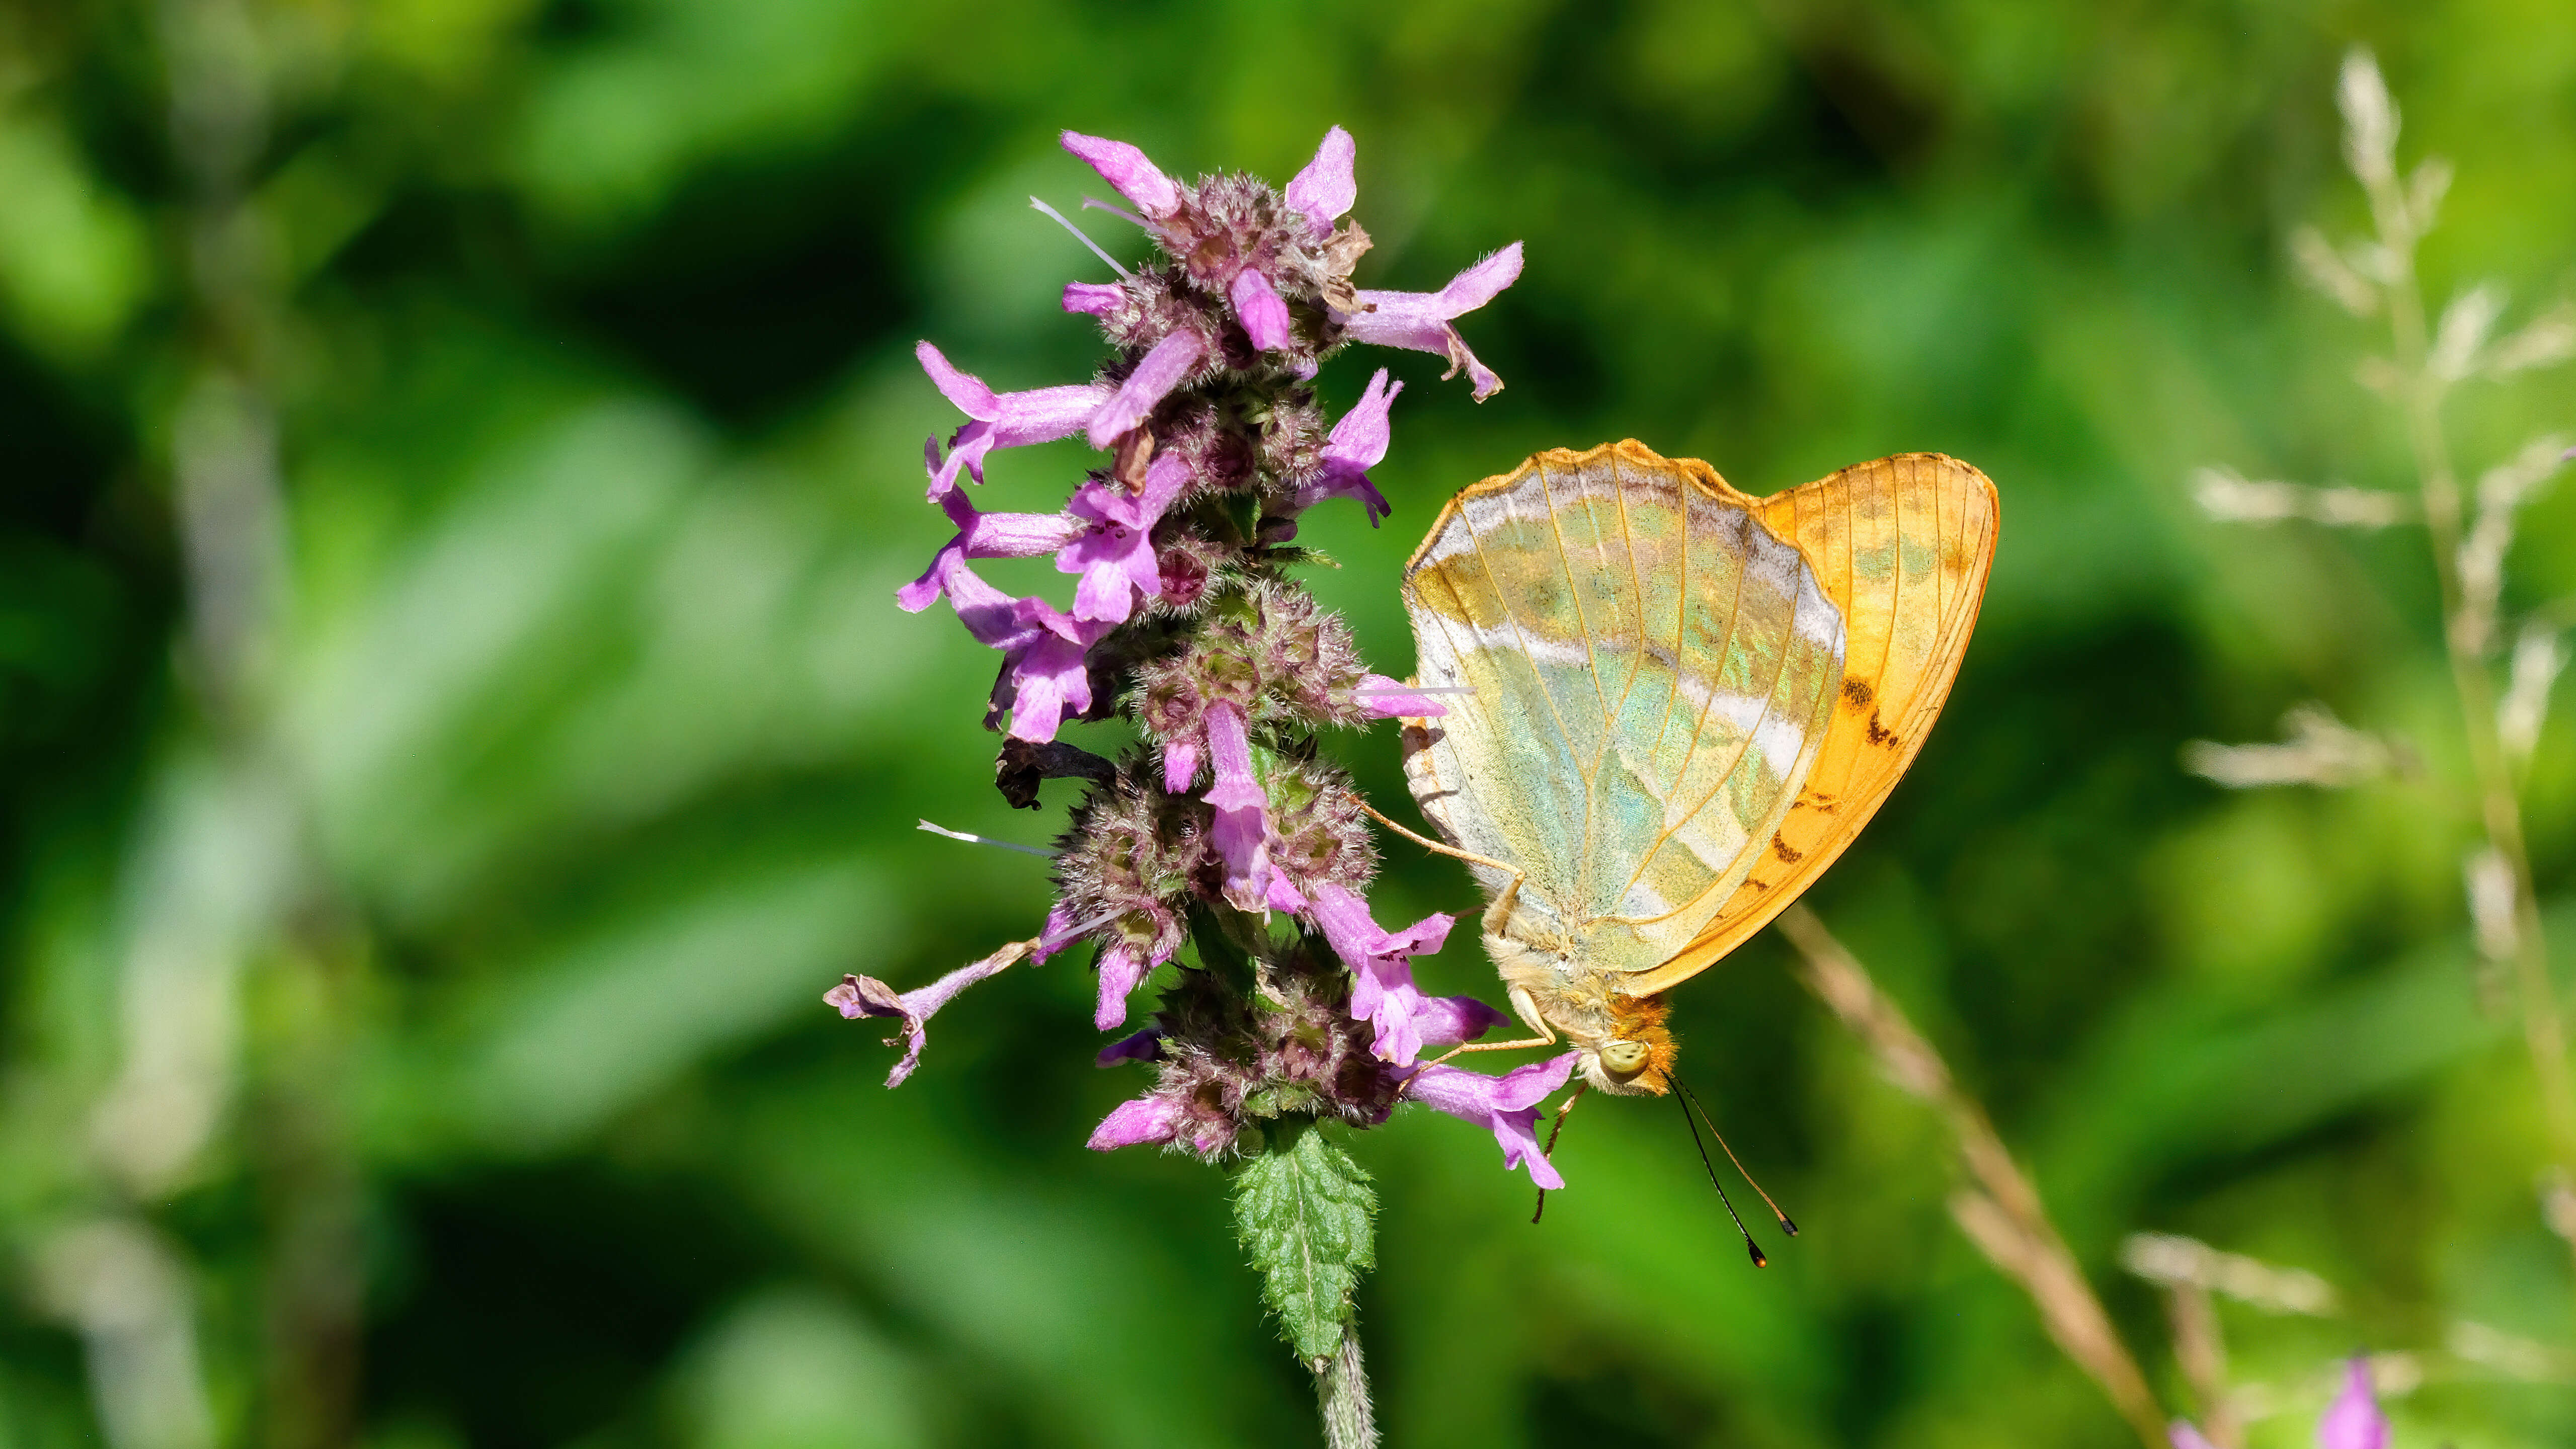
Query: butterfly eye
(1624, 1059)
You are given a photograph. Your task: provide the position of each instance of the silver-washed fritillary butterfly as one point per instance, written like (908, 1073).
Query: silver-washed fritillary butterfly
(1676, 705)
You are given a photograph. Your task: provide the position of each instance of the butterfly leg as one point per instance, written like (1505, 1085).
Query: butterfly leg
(1564, 1109)
(1499, 913)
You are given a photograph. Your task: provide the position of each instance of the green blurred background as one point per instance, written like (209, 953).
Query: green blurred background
(421, 869)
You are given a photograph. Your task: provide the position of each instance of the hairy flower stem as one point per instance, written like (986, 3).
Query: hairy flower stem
(1342, 1397)
(2001, 1214)
(2500, 807)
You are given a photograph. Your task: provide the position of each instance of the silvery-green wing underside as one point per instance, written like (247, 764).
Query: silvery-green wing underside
(1652, 672)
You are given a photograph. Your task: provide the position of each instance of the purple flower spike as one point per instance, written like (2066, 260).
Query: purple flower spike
(1357, 443)
(1382, 989)
(1134, 1124)
(2353, 1421)
(1242, 831)
(865, 996)
(1180, 615)
(1420, 320)
(1508, 1105)
(1258, 308)
(1092, 298)
(1160, 370)
(1388, 699)
(1328, 185)
(1125, 167)
(1115, 555)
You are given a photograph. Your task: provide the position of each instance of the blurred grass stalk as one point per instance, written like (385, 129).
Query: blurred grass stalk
(2425, 366)
(2001, 1211)
(2427, 359)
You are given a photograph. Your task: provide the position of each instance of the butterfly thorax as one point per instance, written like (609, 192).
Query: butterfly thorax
(1626, 1048)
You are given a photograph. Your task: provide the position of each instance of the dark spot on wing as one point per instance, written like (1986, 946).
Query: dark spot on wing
(1857, 693)
(1781, 848)
(1879, 734)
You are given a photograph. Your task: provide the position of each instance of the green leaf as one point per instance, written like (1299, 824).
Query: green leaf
(1306, 1213)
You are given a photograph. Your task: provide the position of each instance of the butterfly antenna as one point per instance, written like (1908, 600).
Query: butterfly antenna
(1750, 1247)
(1786, 1225)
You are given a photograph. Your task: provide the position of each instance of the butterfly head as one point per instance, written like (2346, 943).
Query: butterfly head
(1636, 1054)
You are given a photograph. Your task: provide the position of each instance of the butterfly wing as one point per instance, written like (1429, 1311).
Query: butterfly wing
(1903, 546)
(1653, 672)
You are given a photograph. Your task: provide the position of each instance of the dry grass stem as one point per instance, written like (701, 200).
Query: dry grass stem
(1999, 1211)
(2316, 749)
(2172, 1261)
(2229, 498)
(2201, 1351)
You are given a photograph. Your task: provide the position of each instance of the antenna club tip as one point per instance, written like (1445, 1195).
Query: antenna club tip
(1787, 1226)
(1754, 1250)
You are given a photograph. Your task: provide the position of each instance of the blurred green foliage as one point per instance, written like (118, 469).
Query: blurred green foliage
(487, 907)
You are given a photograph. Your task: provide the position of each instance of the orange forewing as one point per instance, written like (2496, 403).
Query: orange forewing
(1903, 546)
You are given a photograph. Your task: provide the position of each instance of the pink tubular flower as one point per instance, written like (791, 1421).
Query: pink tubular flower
(1045, 672)
(1258, 307)
(1242, 831)
(988, 614)
(984, 535)
(1382, 989)
(2353, 1420)
(1115, 555)
(1329, 185)
(1392, 699)
(1447, 1021)
(1048, 676)
(1507, 1105)
(1004, 419)
(864, 996)
(1092, 298)
(1163, 368)
(2184, 1436)
(1134, 1124)
(1357, 443)
(1180, 765)
(1127, 170)
(1420, 320)
(1282, 895)
(1122, 967)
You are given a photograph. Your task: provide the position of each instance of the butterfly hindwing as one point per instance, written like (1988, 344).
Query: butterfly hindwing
(1654, 669)
(1903, 545)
